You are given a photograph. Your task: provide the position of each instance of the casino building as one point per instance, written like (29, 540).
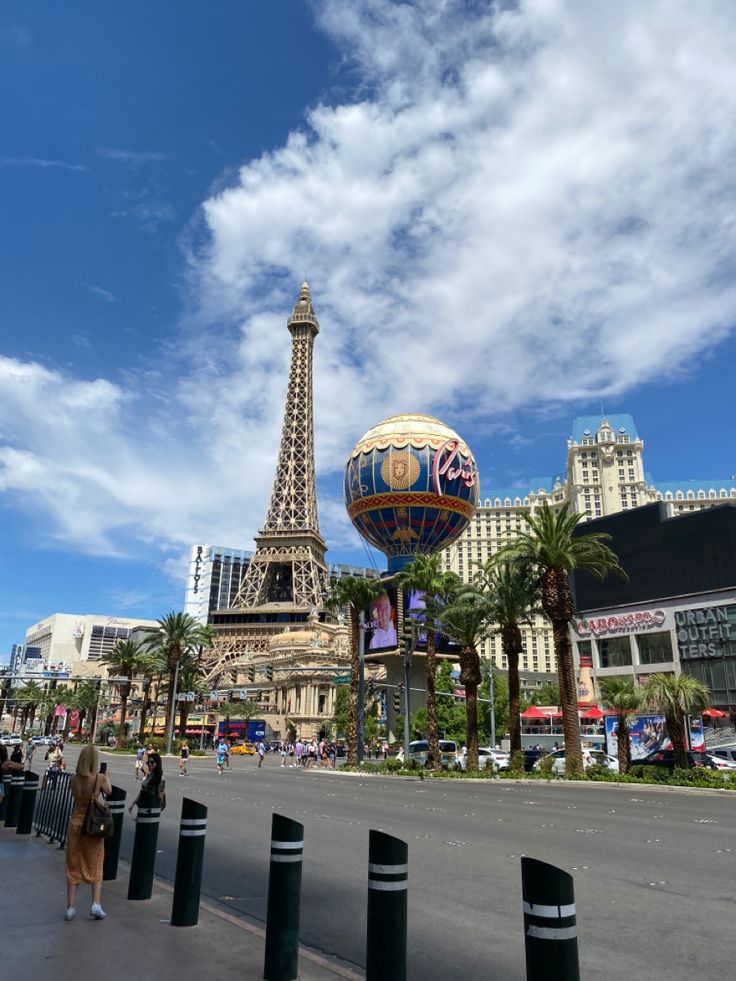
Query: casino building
(677, 611)
(604, 475)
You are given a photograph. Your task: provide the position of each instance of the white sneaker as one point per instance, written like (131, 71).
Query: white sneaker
(97, 912)
(70, 913)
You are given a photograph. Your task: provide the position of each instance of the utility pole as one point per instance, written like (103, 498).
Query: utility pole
(361, 688)
(170, 734)
(411, 637)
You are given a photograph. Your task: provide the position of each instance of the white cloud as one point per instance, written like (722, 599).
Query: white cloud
(520, 206)
(128, 156)
(39, 162)
(99, 291)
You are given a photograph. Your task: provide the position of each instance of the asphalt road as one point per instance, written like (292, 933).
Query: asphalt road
(655, 871)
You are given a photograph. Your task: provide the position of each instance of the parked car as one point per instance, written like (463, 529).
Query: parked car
(419, 752)
(40, 740)
(666, 758)
(11, 740)
(724, 763)
(486, 756)
(590, 757)
(243, 749)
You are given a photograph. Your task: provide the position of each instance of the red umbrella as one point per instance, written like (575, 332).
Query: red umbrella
(715, 713)
(591, 713)
(533, 713)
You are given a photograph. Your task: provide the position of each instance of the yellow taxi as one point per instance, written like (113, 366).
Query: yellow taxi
(243, 749)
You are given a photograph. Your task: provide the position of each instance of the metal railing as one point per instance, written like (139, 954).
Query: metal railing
(54, 806)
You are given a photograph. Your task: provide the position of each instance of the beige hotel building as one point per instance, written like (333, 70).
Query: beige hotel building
(604, 474)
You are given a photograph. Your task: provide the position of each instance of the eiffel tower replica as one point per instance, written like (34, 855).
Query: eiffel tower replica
(287, 578)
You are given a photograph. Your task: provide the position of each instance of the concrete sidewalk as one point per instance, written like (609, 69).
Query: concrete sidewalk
(135, 940)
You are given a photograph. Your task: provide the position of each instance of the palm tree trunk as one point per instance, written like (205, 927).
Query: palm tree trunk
(433, 739)
(15, 716)
(676, 730)
(124, 689)
(183, 719)
(624, 744)
(511, 640)
(170, 705)
(82, 717)
(352, 759)
(470, 678)
(568, 697)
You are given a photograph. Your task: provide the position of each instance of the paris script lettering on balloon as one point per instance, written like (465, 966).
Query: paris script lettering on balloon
(442, 466)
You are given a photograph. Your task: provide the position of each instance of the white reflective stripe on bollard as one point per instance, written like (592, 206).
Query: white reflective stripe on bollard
(551, 933)
(388, 886)
(549, 912)
(287, 844)
(193, 822)
(388, 869)
(193, 833)
(286, 858)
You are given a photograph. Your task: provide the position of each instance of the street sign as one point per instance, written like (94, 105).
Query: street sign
(243, 694)
(341, 679)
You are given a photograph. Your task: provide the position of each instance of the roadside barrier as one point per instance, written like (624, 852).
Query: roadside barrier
(284, 900)
(54, 807)
(7, 777)
(14, 798)
(143, 861)
(550, 924)
(388, 884)
(116, 803)
(189, 861)
(27, 803)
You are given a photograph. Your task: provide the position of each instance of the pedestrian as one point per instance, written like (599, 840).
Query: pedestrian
(17, 755)
(332, 753)
(229, 744)
(153, 782)
(283, 750)
(385, 749)
(299, 752)
(30, 750)
(85, 855)
(183, 758)
(222, 752)
(261, 753)
(140, 756)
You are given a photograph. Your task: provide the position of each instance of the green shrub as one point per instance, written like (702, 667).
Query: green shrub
(547, 767)
(516, 763)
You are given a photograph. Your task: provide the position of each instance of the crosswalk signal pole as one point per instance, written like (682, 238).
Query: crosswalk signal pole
(410, 635)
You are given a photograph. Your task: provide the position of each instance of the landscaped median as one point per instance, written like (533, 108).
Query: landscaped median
(694, 778)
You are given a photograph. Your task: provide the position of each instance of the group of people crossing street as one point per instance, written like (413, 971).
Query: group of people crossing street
(308, 753)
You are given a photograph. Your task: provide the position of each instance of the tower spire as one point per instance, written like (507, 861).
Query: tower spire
(288, 565)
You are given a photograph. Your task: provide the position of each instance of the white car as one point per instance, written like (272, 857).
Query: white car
(486, 757)
(590, 757)
(722, 763)
(14, 740)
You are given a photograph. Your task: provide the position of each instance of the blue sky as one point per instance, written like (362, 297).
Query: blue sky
(508, 214)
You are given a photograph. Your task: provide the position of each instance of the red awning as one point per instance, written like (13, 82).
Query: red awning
(591, 713)
(715, 713)
(533, 712)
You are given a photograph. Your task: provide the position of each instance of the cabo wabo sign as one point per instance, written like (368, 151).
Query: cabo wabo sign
(621, 623)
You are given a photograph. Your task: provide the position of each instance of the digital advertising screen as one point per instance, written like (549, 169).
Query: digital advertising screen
(415, 607)
(380, 623)
(649, 734)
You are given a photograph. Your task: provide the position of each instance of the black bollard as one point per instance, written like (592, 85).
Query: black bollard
(550, 925)
(388, 884)
(284, 900)
(16, 792)
(143, 861)
(116, 803)
(189, 861)
(27, 803)
(7, 777)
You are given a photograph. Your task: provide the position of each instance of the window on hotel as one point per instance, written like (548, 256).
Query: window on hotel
(655, 648)
(615, 652)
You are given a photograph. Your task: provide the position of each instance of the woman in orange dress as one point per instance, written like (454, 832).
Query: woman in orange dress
(85, 855)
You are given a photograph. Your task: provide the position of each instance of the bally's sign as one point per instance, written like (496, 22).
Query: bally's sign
(620, 623)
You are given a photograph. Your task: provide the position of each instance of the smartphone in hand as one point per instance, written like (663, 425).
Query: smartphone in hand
(103, 767)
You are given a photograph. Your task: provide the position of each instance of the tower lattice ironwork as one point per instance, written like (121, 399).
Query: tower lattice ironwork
(287, 576)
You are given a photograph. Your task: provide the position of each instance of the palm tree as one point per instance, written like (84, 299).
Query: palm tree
(550, 551)
(622, 695)
(515, 598)
(676, 698)
(126, 657)
(245, 710)
(175, 635)
(30, 696)
(468, 621)
(425, 574)
(84, 701)
(354, 595)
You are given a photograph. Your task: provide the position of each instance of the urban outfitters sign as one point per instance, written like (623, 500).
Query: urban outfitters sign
(708, 632)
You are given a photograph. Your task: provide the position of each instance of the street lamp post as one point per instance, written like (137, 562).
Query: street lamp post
(492, 702)
(361, 687)
(170, 734)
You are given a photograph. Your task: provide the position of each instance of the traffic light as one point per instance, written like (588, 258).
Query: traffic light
(397, 699)
(252, 673)
(269, 672)
(409, 634)
(98, 685)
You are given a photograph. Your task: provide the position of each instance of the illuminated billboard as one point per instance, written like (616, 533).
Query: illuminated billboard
(415, 608)
(380, 623)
